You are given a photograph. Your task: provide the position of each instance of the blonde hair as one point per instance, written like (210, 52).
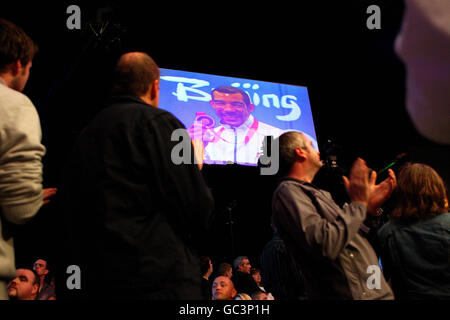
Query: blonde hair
(242, 296)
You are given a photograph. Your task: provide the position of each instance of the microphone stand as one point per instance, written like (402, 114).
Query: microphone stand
(230, 222)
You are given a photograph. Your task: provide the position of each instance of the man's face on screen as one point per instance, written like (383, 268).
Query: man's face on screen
(231, 108)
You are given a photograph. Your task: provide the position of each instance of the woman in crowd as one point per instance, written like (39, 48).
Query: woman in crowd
(415, 243)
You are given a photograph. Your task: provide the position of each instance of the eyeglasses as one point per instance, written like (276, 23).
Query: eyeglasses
(235, 104)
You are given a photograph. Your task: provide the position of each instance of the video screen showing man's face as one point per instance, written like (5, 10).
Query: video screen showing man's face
(232, 116)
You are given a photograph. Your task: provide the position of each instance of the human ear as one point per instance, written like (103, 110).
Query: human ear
(155, 89)
(35, 288)
(16, 67)
(300, 153)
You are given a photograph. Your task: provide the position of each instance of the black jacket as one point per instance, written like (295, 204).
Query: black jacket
(133, 218)
(244, 283)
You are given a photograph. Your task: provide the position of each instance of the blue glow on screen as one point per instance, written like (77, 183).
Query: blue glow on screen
(283, 106)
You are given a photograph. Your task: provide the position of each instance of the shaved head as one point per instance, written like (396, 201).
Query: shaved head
(223, 289)
(130, 58)
(24, 286)
(134, 73)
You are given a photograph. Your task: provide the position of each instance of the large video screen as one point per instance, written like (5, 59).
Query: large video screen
(232, 115)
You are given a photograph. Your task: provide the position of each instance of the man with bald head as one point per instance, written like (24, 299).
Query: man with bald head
(223, 289)
(137, 73)
(132, 214)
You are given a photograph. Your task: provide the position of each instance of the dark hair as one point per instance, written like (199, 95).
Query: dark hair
(133, 76)
(204, 264)
(255, 271)
(257, 294)
(15, 45)
(231, 90)
(223, 268)
(420, 193)
(46, 263)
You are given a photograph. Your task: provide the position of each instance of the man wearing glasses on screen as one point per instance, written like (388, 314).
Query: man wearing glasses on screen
(239, 137)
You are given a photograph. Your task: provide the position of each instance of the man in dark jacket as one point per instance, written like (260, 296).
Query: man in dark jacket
(242, 279)
(134, 217)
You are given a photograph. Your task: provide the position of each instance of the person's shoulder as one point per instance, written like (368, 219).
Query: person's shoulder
(284, 185)
(291, 183)
(239, 278)
(165, 115)
(387, 229)
(269, 129)
(442, 220)
(135, 108)
(17, 110)
(445, 217)
(13, 98)
(294, 190)
(157, 114)
(132, 105)
(266, 125)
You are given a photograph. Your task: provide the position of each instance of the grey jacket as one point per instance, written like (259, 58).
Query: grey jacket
(328, 243)
(21, 152)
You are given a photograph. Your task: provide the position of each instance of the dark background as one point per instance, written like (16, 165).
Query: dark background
(355, 81)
